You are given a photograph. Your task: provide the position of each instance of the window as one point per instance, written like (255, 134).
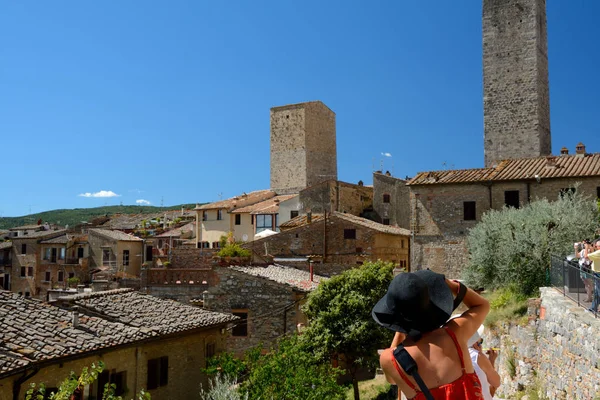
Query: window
(105, 257)
(71, 275)
(23, 272)
(62, 253)
(238, 219)
(386, 221)
(210, 352)
(47, 253)
(251, 219)
(23, 248)
(469, 213)
(386, 198)
(125, 257)
(359, 250)
(219, 215)
(401, 243)
(349, 233)
(264, 222)
(203, 215)
(566, 191)
(241, 327)
(293, 214)
(27, 294)
(80, 252)
(158, 372)
(119, 379)
(61, 276)
(205, 245)
(511, 198)
(216, 245)
(29, 271)
(47, 276)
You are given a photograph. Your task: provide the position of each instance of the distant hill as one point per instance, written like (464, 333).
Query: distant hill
(76, 216)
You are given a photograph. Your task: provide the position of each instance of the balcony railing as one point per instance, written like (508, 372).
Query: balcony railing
(568, 277)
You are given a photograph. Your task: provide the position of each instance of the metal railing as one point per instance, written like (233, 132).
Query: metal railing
(569, 278)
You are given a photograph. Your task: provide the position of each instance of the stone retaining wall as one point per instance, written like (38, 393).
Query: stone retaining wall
(556, 350)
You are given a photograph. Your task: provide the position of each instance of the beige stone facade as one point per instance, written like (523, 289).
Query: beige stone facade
(119, 253)
(303, 146)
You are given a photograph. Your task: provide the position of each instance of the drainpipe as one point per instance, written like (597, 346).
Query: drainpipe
(19, 381)
(310, 268)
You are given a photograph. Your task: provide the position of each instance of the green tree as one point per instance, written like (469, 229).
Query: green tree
(75, 383)
(512, 247)
(290, 372)
(340, 323)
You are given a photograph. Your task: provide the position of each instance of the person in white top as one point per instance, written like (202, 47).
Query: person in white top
(484, 366)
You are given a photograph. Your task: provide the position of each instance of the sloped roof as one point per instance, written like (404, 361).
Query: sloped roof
(563, 166)
(243, 200)
(293, 277)
(40, 234)
(26, 227)
(32, 331)
(177, 231)
(149, 312)
(5, 245)
(115, 235)
(270, 206)
(300, 220)
(393, 230)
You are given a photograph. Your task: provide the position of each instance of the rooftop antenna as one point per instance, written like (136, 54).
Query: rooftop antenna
(220, 195)
(162, 201)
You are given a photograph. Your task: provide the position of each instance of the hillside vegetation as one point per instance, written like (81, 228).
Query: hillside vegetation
(76, 216)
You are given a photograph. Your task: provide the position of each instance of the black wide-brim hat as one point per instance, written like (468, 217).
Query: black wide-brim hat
(415, 303)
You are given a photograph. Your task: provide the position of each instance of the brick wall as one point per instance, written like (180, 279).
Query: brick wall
(182, 257)
(515, 80)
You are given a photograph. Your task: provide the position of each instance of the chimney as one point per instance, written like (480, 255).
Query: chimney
(75, 317)
(550, 161)
(580, 149)
(360, 183)
(564, 151)
(387, 173)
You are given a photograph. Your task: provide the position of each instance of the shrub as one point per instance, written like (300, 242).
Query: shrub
(512, 247)
(233, 250)
(222, 387)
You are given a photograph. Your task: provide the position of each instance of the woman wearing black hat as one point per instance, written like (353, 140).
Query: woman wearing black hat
(429, 357)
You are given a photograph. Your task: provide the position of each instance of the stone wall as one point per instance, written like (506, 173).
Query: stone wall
(397, 210)
(183, 257)
(515, 80)
(273, 309)
(557, 350)
(336, 196)
(303, 146)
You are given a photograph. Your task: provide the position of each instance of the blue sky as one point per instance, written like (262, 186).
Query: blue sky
(169, 101)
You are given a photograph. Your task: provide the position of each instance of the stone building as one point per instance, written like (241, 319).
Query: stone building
(145, 343)
(516, 102)
(336, 243)
(266, 299)
(5, 264)
(333, 195)
(303, 146)
(444, 205)
(390, 200)
(26, 259)
(62, 258)
(117, 254)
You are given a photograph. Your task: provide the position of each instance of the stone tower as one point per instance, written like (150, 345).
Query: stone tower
(516, 103)
(303, 147)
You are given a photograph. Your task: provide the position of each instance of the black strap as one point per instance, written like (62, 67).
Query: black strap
(409, 365)
(462, 291)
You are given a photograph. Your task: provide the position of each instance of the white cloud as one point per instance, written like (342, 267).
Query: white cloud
(102, 193)
(386, 154)
(142, 202)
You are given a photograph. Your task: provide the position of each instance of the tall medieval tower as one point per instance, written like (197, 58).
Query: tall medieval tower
(303, 146)
(516, 103)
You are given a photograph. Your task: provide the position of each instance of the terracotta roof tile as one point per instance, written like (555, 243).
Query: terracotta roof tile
(296, 278)
(5, 245)
(177, 231)
(148, 312)
(270, 206)
(300, 220)
(115, 235)
(243, 200)
(32, 331)
(393, 230)
(563, 166)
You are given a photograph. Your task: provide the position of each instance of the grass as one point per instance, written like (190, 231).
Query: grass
(371, 389)
(505, 305)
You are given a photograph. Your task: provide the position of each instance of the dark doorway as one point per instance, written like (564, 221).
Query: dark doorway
(148, 253)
